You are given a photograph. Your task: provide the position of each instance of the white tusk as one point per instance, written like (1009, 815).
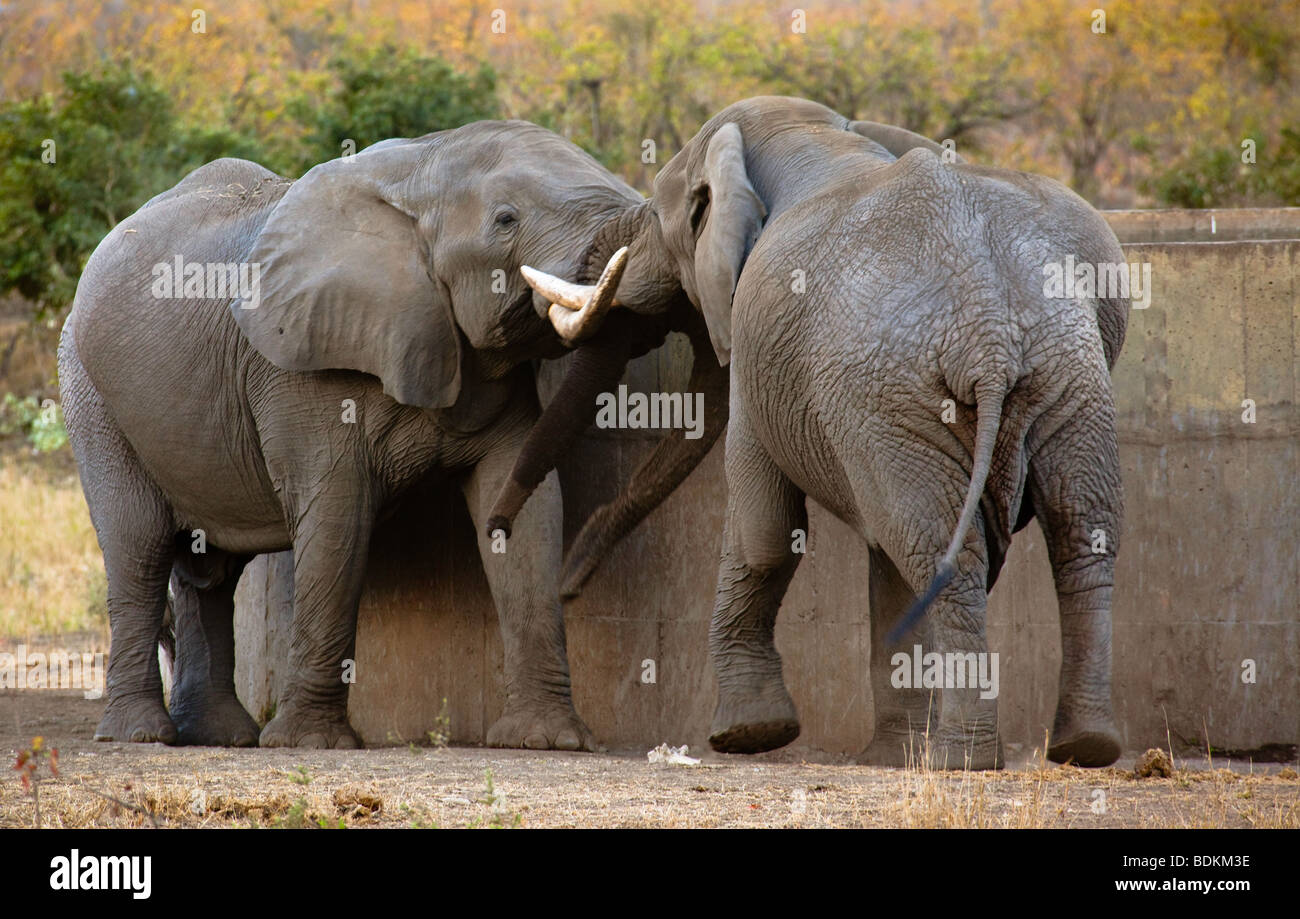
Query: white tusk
(563, 293)
(577, 309)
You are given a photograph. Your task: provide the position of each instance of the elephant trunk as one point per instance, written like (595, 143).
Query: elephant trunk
(655, 304)
(614, 234)
(595, 369)
(658, 476)
(650, 285)
(597, 364)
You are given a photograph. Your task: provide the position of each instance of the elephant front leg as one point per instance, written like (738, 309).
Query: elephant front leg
(904, 714)
(523, 575)
(755, 712)
(330, 551)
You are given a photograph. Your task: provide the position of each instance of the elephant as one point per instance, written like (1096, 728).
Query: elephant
(879, 309)
(363, 326)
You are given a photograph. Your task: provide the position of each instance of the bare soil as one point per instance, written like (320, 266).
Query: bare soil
(145, 785)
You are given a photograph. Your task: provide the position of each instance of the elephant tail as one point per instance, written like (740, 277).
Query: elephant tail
(988, 410)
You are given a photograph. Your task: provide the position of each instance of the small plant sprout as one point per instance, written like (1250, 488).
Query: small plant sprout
(440, 736)
(28, 766)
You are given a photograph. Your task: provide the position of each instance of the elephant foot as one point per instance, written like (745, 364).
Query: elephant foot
(215, 721)
(557, 727)
(892, 749)
(961, 751)
(754, 724)
(941, 748)
(315, 730)
(136, 718)
(1092, 746)
(898, 738)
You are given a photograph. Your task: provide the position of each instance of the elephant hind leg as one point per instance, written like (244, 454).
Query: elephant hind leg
(135, 527)
(1077, 494)
(939, 684)
(755, 712)
(204, 706)
(903, 716)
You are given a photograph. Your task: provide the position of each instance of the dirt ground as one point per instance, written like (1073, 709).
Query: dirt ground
(126, 785)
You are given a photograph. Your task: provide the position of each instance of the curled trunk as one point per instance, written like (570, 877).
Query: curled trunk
(658, 476)
(596, 368)
(656, 305)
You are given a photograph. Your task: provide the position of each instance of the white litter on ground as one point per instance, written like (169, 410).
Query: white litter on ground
(672, 756)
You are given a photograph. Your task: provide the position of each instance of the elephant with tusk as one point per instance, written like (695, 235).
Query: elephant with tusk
(389, 335)
(876, 309)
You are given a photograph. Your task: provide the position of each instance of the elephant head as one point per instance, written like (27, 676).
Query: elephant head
(402, 261)
(713, 198)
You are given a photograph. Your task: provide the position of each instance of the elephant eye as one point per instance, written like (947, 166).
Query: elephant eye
(506, 219)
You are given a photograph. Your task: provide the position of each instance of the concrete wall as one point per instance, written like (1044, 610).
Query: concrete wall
(1208, 573)
(1209, 225)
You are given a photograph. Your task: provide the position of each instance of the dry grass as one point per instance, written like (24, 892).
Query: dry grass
(1042, 794)
(448, 788)
(128, 785)
(51, 572)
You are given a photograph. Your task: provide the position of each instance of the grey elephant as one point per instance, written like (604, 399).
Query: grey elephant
(253, 364)
(893, 353)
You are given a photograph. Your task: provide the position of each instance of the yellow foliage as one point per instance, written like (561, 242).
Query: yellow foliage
(1030, 82)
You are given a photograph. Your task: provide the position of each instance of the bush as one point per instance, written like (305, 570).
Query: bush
(73, 165)
(1215, 176)
(41, 424)
(383, 93)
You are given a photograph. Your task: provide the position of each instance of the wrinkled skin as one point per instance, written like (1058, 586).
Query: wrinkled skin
(923, 282)
(377, 286)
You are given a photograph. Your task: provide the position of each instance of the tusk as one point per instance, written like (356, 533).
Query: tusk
(565, 293)
(577, 309)
(565, 322)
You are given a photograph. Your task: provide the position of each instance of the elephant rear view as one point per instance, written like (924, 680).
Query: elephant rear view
(896, 354)
(253, 364)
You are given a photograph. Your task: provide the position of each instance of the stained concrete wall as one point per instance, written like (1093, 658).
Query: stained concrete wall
(1208, 225)
(1208, 574)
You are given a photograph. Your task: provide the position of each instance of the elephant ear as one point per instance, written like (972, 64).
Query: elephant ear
(345, 283)
(897, 141)
(731, 227)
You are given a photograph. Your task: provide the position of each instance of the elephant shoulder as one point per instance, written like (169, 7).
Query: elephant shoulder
(210, 216)
(228, 178)
(920, 171)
